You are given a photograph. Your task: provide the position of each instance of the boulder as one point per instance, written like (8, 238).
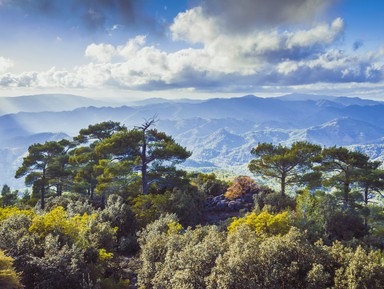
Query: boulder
(222, 205)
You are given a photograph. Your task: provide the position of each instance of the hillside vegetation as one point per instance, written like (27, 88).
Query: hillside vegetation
(111, 208)
(220, 132)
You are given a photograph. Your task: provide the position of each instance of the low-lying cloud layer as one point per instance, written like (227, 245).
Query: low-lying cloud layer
(229, 46)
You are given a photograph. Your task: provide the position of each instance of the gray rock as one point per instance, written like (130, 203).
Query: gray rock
(218, 198)
(222, 205)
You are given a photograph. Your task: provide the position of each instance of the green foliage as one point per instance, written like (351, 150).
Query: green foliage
(273, 202)
(15, 238)
(209, 184)
(174, 259)
(98, 132)
(119, 215)
(321, 215)
(84, 159)
(45, 164)
(344, 167)
(186, 203)
(143, 148)
(128, 182)
(148, 208)
(288, 261)
(371, 180)
(8, 198)
(375, 220)
(291, 165)
(346, 225)
(315, 212)
(358, 268)
(54, 248)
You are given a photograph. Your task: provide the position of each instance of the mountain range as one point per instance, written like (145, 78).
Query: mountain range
(220, 132)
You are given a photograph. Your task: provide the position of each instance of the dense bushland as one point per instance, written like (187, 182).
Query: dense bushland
(110, 209)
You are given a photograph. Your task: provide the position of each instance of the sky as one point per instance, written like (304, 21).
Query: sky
(192, 48)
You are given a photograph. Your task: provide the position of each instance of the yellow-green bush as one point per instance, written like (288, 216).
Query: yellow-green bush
(57, 222)
(6, 212)
(264, 224)
(9, 279)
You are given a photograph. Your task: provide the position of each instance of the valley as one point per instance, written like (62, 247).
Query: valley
(220, 132)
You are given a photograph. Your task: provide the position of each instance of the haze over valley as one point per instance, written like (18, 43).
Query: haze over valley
(219, 132)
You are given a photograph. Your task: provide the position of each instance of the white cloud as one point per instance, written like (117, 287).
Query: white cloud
(322, 34)
(100, 52)
(195, 27)
(5, 64)
(131, 47)
(287, 67)
(223, 58)
(230, 52)
(223, 63)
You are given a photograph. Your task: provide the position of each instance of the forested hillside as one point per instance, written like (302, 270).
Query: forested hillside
(110, 208)
(220, 132)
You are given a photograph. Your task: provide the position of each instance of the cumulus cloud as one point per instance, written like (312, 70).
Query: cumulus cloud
(5, 64)
(194, 26)
(252, 52)
(333, 66)
(267, 52)
(131, 47)
(100, 52)
(137, 65)
(321, 34)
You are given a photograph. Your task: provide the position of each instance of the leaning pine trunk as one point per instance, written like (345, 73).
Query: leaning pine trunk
(144, 177)
(366, 191)
(346, 193)
(42, 196)
(282, 185)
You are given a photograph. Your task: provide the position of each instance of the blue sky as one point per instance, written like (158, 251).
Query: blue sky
(182, 48)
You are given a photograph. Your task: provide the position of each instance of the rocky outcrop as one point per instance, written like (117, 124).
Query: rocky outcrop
(221, 204)
(220, 208)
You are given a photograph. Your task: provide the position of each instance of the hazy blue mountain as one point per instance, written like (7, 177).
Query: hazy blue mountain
(341, 100)
(158, 100)
(344, 131)
(11, 127)
(220, 132)
(64, 121)
(45, 102)
(241, 114)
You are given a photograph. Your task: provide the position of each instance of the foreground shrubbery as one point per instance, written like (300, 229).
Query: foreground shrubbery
(9, 279)
(109, 209)
(248, 257)
(55, 248)
(74, 245)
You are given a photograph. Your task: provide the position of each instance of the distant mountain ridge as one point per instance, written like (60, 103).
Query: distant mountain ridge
(220, 132)
(342, 100)
(45, 102)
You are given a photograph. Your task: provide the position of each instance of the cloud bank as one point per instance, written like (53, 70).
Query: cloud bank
(228, 46)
